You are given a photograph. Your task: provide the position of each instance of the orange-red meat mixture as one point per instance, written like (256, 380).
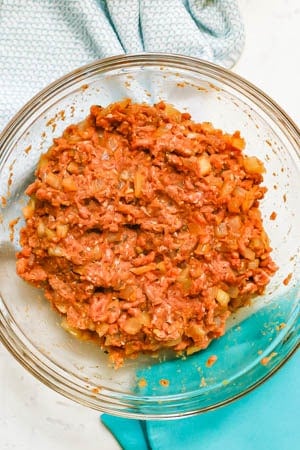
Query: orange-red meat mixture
(143, 229)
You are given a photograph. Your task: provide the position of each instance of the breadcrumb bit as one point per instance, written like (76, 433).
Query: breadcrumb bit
(203, 382)
(96, 390)
(287, 279)
(142, 383)
(211, 361)
(281, 326)
(267, 359)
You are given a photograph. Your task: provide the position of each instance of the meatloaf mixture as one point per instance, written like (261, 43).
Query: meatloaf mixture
(144, 231)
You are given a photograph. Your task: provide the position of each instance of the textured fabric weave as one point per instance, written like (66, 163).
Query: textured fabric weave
(41, 40)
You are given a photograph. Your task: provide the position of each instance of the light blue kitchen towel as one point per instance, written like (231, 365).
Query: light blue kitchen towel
(265, 419)
(41, 40)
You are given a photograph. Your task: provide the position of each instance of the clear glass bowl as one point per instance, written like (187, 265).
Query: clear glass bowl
(267, 331)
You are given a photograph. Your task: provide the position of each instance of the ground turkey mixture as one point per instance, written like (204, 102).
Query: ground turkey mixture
(143, 229)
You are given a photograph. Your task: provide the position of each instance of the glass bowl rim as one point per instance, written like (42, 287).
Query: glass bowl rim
(21, 353)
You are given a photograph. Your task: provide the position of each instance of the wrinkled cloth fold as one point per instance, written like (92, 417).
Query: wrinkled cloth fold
(41, 40)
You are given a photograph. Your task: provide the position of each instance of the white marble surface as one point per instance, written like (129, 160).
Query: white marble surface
(34, 417)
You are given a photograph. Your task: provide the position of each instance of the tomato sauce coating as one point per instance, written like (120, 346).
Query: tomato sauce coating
(144, 231)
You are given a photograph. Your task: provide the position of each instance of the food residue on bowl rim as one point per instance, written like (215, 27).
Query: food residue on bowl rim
(164, 382)
(264, 361)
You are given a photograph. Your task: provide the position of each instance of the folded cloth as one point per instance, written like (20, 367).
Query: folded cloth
(265, 419)
(42, 40)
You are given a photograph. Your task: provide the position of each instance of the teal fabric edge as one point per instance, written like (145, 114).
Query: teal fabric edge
(131, 434)
(265, 419)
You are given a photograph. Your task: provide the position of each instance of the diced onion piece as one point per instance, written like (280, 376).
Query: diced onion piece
(132, 325)
(186, 284)
(74, 137)
(83, 125)
(238, 196)
(80, 334)
(257, 243)
(222, 297)
(161, 266)
(102, 329)
(52, 180)
(62, 231)
(73, 167)
(138, 183)
(234, 224)
(113, 142)
(238, 142)
(227, 188)
(253, 264)
(204, 166)
(96, 252)
(145, 318)
(80, 270)
(173, 113)
(124, 175)
(243, 266)
(231, 243)
(195, 331)
(184, 279)
(43, 162)
(192, 135)
(248, 253)
(248, 201)
(28, 210)
(240, 192)
(233, 291)
(202, 249)
(138, 250)
(207, 127)
(221, 230)
(193, 349)
(265, 239)
(253, 165)
(127, 293)
(62, 307)
(68, 184)
(172, 342)
(55, 251)
(234, 204)
(41, 229)
(64, 324)
(107, 111)
(50, 234)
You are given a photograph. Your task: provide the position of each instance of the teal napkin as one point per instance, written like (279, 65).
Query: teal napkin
(41, 40)
(265, 419)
